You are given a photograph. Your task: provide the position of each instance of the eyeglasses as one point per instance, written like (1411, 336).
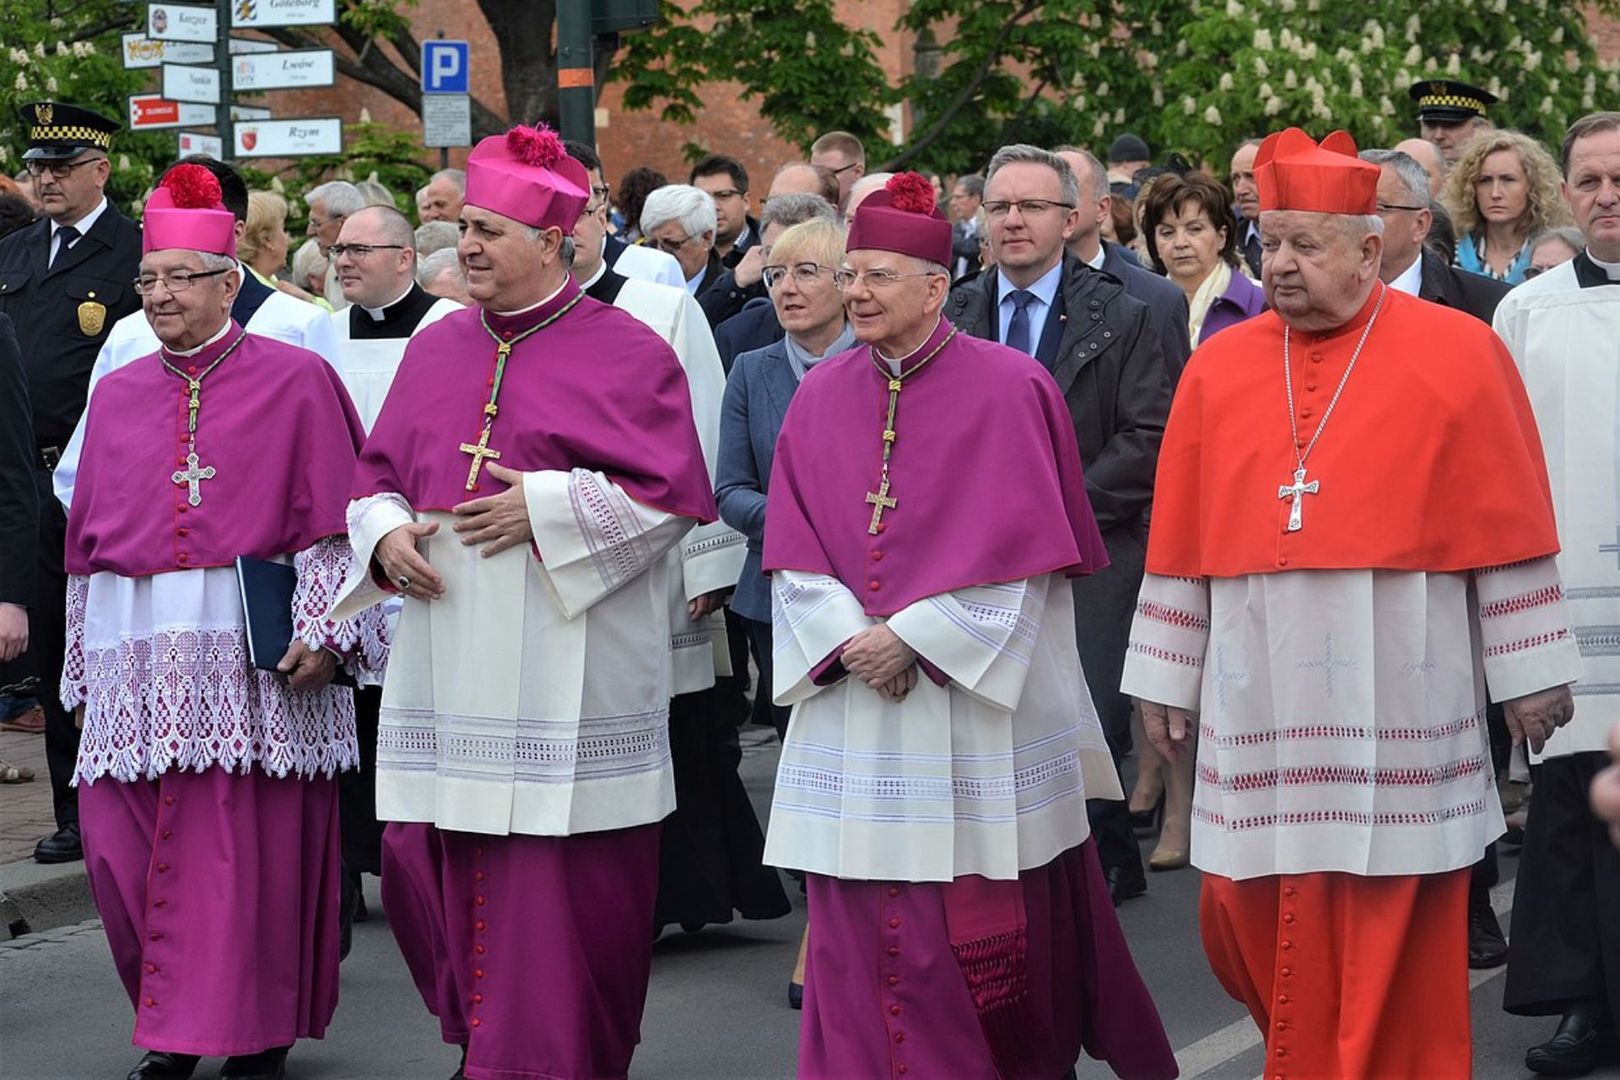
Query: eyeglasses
(177, 282)
(60, 170)
(319, 223)
(1026, 207)
(1534, 271)
(842, 168)
(726, 193)
(669, 247)
(877, 278)
(1384, 208)
(360, 251)
(804, 273)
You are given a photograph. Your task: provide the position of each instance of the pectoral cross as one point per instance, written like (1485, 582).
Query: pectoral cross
(880, 501)
(479, 451)
(1297, 491)
(191, 476)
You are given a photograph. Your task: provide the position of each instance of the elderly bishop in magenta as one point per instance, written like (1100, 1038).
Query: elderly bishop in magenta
(533, 463)
(1352, 544)
(926, 504)
(207, 786)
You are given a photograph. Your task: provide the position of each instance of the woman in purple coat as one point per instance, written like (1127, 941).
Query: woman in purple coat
(1190, 238)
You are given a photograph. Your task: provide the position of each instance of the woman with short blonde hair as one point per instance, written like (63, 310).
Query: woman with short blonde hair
(1503, 190)
(264, 237)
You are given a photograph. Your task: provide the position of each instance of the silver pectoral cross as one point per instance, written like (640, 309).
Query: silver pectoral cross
(191, 476)
(1297, 491)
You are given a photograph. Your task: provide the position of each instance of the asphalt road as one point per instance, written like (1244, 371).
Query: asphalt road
(717, 1008)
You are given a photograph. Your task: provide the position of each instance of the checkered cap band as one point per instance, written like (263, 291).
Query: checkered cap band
(47, 133)
(1451, 101)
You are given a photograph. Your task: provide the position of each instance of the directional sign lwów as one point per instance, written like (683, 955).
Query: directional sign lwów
(253, 72)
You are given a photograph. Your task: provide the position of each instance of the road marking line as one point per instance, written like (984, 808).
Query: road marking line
(1239, 1037)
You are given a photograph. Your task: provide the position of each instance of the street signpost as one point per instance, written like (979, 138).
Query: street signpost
(280, 70)
(182, 22)
(195, 142)
(290, 138)
(153, 112)
(185, 82)
(446, 120)
(250, 13)
(140, 51)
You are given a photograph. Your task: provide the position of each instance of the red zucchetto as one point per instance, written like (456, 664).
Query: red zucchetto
(1295, 173)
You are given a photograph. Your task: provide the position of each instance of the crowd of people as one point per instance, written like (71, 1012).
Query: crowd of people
(988, 493)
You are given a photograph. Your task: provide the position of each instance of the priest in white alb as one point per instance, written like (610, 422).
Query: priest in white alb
(206, 783)
(258, 308)
(1561, 327)
(532, 467)
(1352, 545)
(712, 846)
(926, 504)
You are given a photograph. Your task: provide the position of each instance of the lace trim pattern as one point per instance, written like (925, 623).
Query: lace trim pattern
(190, 699)
(363, 640)
(78, 596)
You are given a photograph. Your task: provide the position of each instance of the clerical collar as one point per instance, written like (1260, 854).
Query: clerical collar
(929, 340)
(1590, 271)
(223, 330)
(1410, 280)
(86, 223)
(520, 312)
(380, 313)
(601, 268)
(1352, 325)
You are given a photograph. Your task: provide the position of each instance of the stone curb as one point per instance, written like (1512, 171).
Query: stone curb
(35, 897)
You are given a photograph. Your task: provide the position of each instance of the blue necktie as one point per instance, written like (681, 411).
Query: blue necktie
(1018, 325)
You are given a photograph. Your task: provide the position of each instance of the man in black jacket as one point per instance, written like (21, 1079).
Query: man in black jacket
(64, 280)
(1102, 348)
(1408, 264)
(19, 500)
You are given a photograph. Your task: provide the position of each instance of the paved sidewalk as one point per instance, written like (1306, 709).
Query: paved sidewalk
(27, 815)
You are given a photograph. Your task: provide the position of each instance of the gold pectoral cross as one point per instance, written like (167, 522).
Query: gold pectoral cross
(479, 451)
(880, 501)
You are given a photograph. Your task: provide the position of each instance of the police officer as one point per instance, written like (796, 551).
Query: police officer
(1449, 113)
(64, 280)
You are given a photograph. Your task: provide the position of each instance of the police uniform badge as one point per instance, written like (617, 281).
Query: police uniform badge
(92, 317)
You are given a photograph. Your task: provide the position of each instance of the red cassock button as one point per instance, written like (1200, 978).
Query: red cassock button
(478, 851)
(1288, 918)
(874, 586)
(479, 949)
(191, 369)
(894, 980)
(168, 834)
(159, 903)
(1284, 999)
(163, 868)
(894, 1010)
(182, 557)
(180, 461)
(902, 1068)
(477, 1022)
(894, 950)
(180, 509)
(182, 532)
(150, 1004)
(478, 875)
(899, 1036)
(478, 999)
(479, 900)
(894, 924)
(151, 969)
(894, 890)
(168, 800)
(877, 556)
(479, 925)
(478, 973)
(154, 937)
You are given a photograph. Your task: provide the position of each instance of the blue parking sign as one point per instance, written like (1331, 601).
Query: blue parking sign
(444, 67)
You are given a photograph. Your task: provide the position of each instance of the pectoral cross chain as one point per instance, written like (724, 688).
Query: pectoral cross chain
(1297, 491)
(881, 501)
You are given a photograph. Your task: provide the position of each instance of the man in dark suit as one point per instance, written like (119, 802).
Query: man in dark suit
(965, 199)
(1163, 297)
(19, 500)
(1101, 346)
(1246, 202)
(1408, 264)
(64, 281)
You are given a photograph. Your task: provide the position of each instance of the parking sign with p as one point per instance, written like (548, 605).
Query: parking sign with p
(444, 67)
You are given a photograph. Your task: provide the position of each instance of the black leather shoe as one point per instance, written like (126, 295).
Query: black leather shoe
(348, 907)
(1581, 1045)
(1487, 948)
(795, 995)
(1125, 882)
(461, 1070)
(265, 1065)
(157, 1065)
(61, 846)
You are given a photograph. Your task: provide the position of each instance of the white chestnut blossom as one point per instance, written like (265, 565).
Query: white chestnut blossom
(1212, 116)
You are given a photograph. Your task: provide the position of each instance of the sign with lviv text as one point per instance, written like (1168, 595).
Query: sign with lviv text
(290, 138)
(245, 13)
(140, 51)
(252, 72)
(152, 112)
(182, 22)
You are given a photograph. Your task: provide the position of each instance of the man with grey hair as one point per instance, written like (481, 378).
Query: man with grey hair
(435, 236)
(1107, 356)
(440, 274)
(1344, 556)
(966, 196)
(1406, 263)
(1246, 202)
(679, 220)
(745, 282)
(1165, 300)
(329, 205)
(441, 198)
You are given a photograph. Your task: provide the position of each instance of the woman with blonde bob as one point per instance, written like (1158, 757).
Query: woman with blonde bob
(1501, 192)
(799, 275)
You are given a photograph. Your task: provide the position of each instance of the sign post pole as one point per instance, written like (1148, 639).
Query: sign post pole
(576, 75)
(222, 56)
